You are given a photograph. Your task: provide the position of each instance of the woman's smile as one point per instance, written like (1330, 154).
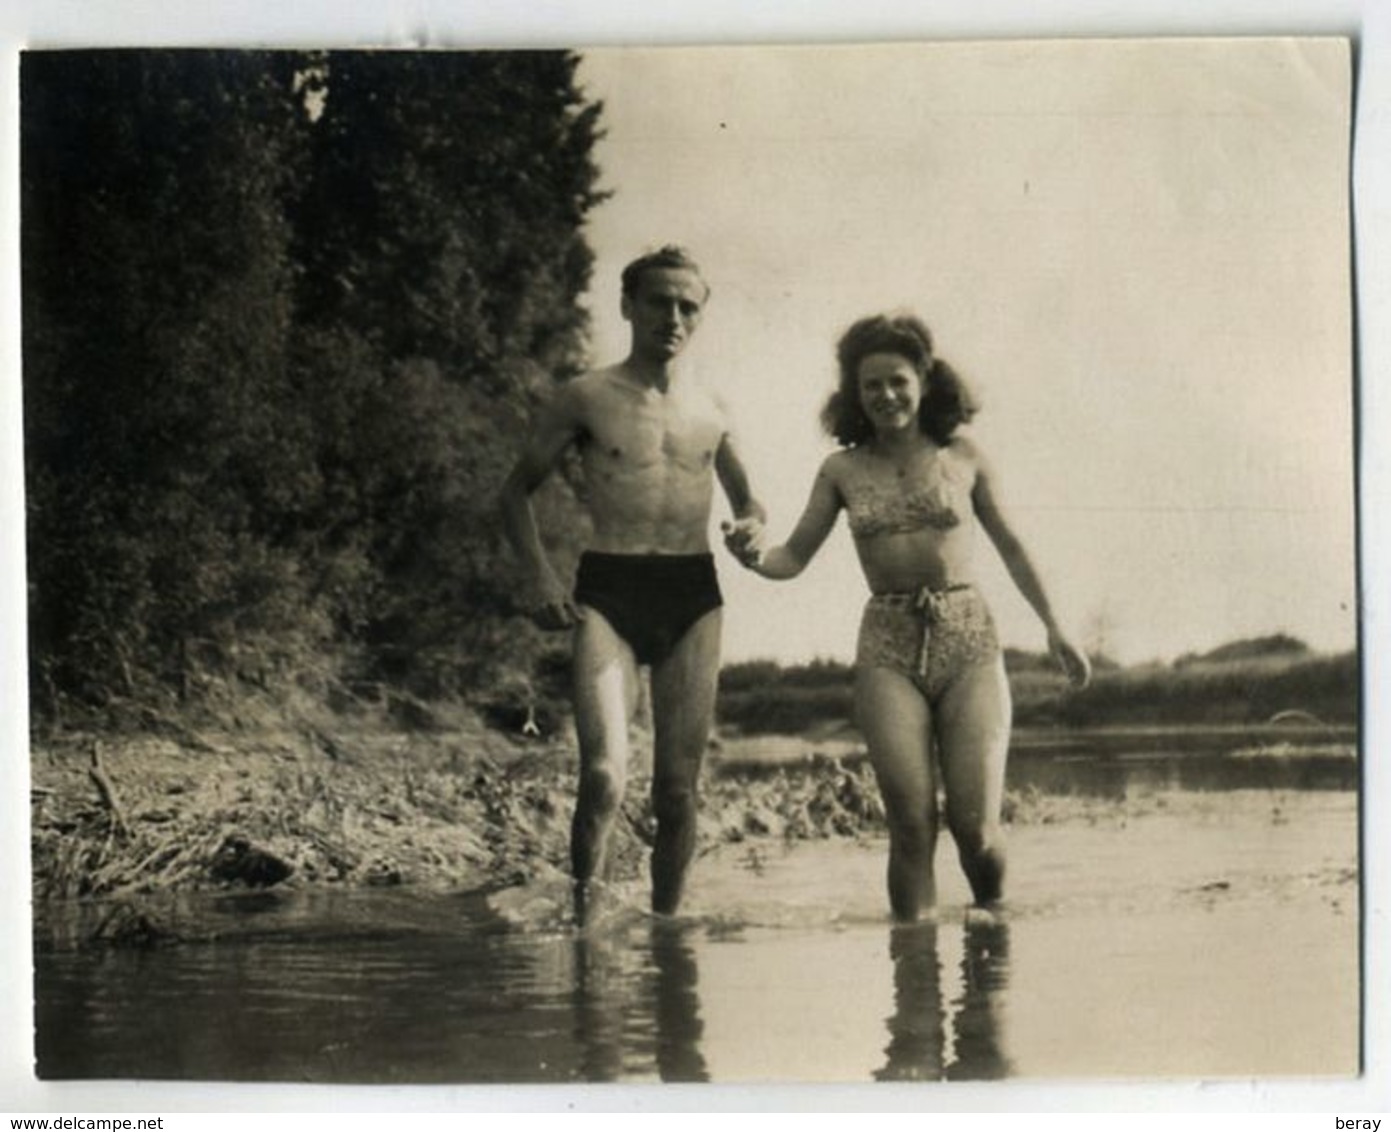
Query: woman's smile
(890, 390)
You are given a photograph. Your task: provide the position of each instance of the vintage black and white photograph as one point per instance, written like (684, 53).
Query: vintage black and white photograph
(745, 564)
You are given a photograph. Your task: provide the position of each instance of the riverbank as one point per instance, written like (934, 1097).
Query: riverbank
(1142, 941)
(457, 808)
(115, 816)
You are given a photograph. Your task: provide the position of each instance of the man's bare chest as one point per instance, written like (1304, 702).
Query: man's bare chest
(653, 434)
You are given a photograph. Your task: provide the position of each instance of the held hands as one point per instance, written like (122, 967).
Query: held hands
(547, 603)
(744, 539)
(1073, 660)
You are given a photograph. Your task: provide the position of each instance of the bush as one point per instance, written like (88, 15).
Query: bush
(785, 710)
(271, 387)
(760, 697)
(1251, 691)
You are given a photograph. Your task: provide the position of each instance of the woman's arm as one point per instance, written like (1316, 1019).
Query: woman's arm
(1021, 569)
(790, 559)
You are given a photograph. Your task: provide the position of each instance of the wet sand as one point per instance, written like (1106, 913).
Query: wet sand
(1208, 936)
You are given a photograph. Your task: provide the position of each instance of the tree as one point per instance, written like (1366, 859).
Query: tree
(160, 455)
(441, 238)
(285, 314)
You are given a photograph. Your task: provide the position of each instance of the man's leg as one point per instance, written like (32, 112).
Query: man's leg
(683, 708)
(605, 690)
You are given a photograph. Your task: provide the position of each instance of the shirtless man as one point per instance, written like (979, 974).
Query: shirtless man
(651, 443)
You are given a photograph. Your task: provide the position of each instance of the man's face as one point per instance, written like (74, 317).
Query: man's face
(664, 311)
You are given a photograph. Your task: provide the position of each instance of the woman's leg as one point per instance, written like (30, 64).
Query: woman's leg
(972, 720)
(894, 719)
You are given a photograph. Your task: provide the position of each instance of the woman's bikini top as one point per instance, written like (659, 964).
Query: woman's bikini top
(938, 498)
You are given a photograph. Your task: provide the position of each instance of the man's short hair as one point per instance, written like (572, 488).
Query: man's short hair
(671, 256)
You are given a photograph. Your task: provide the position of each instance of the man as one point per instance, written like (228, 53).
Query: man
(651, 443)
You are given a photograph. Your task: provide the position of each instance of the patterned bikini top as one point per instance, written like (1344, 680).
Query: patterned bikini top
(938, 498)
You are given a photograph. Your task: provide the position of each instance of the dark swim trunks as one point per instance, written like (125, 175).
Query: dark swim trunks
(651, 600)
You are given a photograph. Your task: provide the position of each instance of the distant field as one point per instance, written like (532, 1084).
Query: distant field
(1289, 684)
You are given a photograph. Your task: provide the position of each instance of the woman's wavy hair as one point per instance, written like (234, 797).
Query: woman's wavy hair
(947, 402)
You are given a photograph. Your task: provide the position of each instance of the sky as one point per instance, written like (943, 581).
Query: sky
(1137, 252)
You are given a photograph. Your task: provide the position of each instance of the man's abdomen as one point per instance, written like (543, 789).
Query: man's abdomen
(639, 516)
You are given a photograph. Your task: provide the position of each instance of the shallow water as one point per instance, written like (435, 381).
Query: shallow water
(1182, 931)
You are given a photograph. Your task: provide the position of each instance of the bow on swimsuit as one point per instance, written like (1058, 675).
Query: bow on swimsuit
(931, 636)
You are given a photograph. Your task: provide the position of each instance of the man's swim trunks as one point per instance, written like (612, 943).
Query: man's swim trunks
(930, 636)
(651, 600)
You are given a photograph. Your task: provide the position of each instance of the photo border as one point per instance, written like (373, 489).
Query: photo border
(553, 23)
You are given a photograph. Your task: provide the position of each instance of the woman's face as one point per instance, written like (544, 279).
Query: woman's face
(890, 392)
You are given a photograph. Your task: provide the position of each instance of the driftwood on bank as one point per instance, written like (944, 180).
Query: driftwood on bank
(107, 790)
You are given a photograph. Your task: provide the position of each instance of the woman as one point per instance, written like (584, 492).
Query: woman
(928, 665)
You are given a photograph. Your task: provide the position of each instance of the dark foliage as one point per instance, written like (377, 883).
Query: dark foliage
(751, 675)
(284, 316)
(1250, 648)
(761, 697)
(1223, 692)
(786, 709)
(1240, 687)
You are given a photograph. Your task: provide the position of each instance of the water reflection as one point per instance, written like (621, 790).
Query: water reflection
(917, 1027)
(677, 1006)
(1120, 776)
(404, 987)
(637, 1006)
(598, 1010)
(980, 1054)
(931, 1039)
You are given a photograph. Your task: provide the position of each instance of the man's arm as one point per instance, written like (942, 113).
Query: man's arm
(734, 478)
(557, 426)
(744, 535)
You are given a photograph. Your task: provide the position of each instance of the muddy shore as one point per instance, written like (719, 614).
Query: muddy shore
(126, 818)
(121, 817)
